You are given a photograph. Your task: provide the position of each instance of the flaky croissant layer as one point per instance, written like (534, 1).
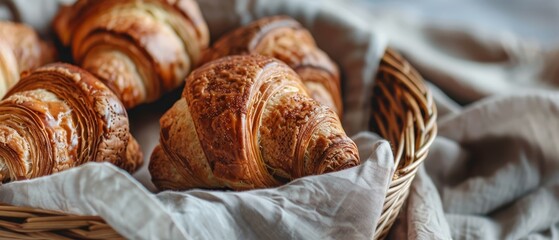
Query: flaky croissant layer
(59, 116)
(247, 122)
(140, 48)
(284, 38)
(21, 49)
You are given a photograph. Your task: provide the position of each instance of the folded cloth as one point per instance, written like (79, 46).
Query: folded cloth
(493, 171)
(474, 49)
(492, 174)
(345, 204)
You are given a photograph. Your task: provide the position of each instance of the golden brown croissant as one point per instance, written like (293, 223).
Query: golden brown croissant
(285, 39)
(139, 48)
(246, 122)
(58, 117)
(20, 50)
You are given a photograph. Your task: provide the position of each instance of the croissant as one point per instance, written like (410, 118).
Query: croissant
(141, 49)
(247, 122)
(20, 50)
(57, 117)
(285, 39)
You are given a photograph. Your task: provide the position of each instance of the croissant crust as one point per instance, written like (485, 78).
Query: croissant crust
(246, 122)
(140, 48)
(284, 38)
(21, 49)
(59, 116)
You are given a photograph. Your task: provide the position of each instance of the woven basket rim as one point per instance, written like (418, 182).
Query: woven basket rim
(407, 120)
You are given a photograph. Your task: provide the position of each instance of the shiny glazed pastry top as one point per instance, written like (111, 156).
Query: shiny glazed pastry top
(284, 38)
(247, 122)
(20, 50)
(59, 116)
(140, 48)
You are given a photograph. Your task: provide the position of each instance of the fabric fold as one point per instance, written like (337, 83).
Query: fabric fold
(330, 206)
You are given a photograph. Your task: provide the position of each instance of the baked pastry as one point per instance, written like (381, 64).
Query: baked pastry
(21, 49)
(246, 122)
(59, 116)
(139, 48)
(285, 39)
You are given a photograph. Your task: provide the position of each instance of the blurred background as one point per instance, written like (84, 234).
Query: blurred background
(472, 49)
(535, 20)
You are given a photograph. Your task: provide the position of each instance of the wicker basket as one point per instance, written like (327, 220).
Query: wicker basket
(404, 114)
(29, 223)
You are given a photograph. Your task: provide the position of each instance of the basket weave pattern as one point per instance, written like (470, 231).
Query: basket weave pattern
(403, 113)
(29, 223)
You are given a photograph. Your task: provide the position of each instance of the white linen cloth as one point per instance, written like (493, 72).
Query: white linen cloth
(491, 174)
(331, 206)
